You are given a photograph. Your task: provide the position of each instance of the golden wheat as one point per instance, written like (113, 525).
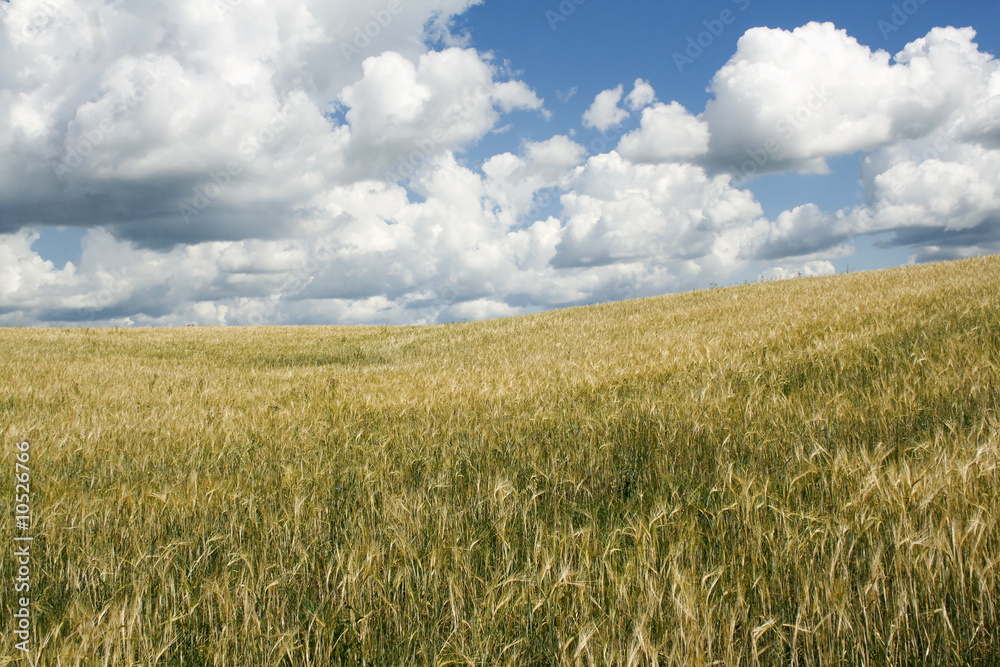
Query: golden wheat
(784, 473)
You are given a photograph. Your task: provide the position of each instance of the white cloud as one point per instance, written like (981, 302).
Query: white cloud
(443, 102)
(667, 132)
(934, 193)
(512, 95)
(23, 274)
(807, 270)
(981, 124)
(642, 95)
(623, 212)
(789, 100)
(227, 108)
(801, 232)
(513, 181)
(604, 112)
(319, 150)
(566, 96)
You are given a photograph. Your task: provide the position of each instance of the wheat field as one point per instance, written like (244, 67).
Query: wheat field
(793, 473)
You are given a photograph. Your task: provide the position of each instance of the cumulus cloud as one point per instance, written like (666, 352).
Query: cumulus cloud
(23, 274)
(512, 181)
(923, 118)
(800, 232)
(219, 121)
(249, 163)
(936, 193)
(604, 112)
(620, 211)
(938, 196)
(981, 124)
(443, 102)
(807, 270)
(791, 99)
(667, 132)
(642, 95)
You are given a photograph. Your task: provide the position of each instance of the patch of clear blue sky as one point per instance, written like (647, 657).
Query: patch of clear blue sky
(601, 44)
(59, 245)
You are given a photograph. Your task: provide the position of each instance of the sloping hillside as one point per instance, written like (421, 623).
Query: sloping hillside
(802, 472)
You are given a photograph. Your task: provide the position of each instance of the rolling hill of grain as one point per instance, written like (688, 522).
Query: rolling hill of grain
(793, 473)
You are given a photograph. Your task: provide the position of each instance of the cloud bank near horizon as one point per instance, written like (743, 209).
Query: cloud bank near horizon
(247, 163)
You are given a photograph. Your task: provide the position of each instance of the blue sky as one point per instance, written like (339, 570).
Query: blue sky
(436, 160)
(601, 44)
(595, 45)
